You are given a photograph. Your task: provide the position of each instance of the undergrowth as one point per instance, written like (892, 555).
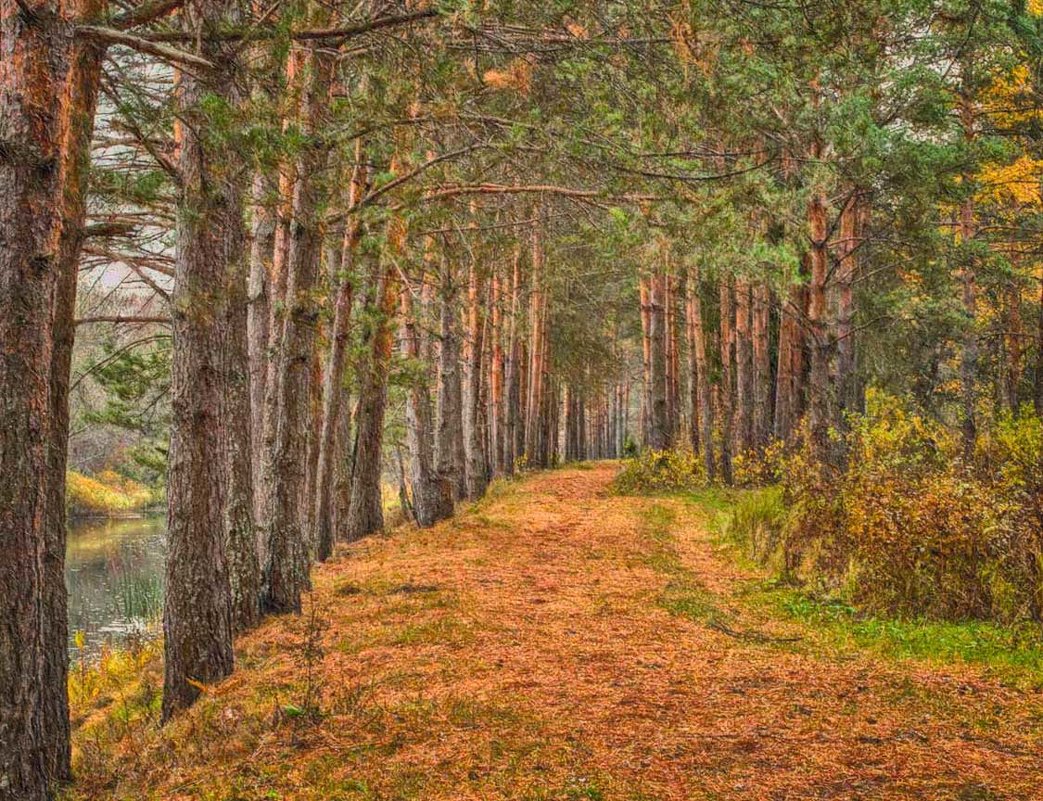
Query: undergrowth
(651, 472)
(755, 526)
(107, 493)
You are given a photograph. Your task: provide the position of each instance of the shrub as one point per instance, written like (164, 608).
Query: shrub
(906, 528)
(661, 471)
(107, 493)
(759, 467)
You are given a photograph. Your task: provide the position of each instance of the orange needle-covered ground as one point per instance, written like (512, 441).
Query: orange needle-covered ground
(525, 651)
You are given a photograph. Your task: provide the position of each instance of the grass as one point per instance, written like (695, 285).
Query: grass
(683, 593)
(1013, 654)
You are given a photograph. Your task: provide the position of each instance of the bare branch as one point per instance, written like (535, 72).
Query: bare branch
(161, 51)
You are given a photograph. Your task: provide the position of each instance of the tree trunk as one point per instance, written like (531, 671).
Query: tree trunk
(534, 393)
(449, 444)
(76, 125)
(659, 410)
(645, 298)
(278, 297)
(336, 363)
(511, 412)
(702, 407)
(286, 567)
(210, 264)
(789, 375)
(496, 379)
(262, 244)
(851, 231)
(726, 395)
(743, 429)
(244, 566)
(475, 469)
(366, 512)
(967, 229)
(48, 88)
(762, 406)
(432, 493)
(819, 386)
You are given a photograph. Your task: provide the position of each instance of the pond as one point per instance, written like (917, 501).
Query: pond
(114, 572)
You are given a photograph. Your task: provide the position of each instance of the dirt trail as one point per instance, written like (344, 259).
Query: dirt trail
(523, 651)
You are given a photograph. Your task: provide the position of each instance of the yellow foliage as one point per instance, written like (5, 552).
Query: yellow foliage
(661, 471)
(908, 529)
(105, 494)
(1035, 7)
(1018, 182)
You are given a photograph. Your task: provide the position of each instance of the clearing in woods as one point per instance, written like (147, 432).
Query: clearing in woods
(559, 642)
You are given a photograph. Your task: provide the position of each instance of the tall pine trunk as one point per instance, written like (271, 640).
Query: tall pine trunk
(48, 89)
(762, 379)
(743, 426)
(366, 511)
(210, 264)
(727, 344)
(449, 442)
(702, 409)
(659, 410)
(476, 468)
(432, 493)
(287, 556)
(336, 363)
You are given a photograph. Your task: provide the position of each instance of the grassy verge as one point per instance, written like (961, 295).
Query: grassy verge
(683, 593)
(1012, 654)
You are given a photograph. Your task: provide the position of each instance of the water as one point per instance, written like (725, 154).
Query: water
(114, 572)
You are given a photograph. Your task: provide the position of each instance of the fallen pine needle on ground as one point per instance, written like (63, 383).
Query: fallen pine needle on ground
(557, 641)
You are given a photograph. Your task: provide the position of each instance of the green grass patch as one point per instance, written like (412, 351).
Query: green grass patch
(683, 594)
(743, 522)
(1013, 653)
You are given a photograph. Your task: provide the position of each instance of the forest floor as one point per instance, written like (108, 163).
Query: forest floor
(556, 641)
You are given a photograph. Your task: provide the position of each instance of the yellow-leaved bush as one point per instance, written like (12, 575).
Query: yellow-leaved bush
(906, 528)
(652, 471)
(106, 493)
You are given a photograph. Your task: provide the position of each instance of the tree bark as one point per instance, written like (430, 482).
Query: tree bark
(48, 85)
(727, 344)
(820, 390)
(512, 411)
(210, 262)
(336, 362)
(449, 444)
(659, 417)
(762, 405)
(287, 557)
(475, 468)
(432, 493)
(702, 408)
(790, 371)
(366, 512)
(743, 429)
(262, 244)
(77, 105)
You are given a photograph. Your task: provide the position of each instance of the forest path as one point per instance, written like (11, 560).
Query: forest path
(559, 642)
